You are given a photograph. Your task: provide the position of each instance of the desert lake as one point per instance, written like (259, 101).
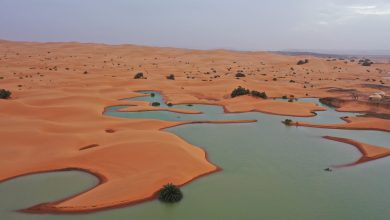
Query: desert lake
(269, 171)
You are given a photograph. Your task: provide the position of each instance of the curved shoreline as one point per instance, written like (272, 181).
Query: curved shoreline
(373, 124)
(50, 207)
(369, 152)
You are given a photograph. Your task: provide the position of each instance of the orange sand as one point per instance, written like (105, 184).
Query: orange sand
(59, 91)
(369, 152)
(354, 123)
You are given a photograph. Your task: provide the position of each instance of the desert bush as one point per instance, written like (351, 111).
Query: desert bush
(155, 104)
(239, 92)
(262, 95)
(170, 104)
(4, 94)
(367, 62)
(240, 74)
(139, 76)
(301, 62)
(287, 122)
(171, 77)
(170, 193)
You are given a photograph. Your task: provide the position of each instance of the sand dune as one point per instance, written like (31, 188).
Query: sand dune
(60, 90)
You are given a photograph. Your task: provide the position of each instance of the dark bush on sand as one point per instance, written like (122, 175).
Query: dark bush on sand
(139, 76)
(171, 77)
(170, 193)
(4, 94)
(239, 92)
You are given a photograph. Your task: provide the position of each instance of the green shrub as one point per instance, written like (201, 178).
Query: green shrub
(284, 97)
(4, 94)
(262, 95)
(287, 122)
(152, 94)
(139, 76)
(170, 104)
(239, 92)
(155, 104)
(170, 193)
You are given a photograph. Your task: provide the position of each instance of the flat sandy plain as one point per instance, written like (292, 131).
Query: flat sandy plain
(55, 121)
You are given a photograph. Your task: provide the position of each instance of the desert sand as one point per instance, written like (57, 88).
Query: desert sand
(369, 152)
(54, 120)
(354, 123)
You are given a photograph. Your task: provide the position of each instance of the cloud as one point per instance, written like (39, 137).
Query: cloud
(370, 10)
(363, 7)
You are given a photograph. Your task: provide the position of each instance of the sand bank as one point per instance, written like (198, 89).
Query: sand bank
(369, 152)
(354, 123)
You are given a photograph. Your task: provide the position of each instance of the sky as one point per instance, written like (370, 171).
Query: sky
(201, 24)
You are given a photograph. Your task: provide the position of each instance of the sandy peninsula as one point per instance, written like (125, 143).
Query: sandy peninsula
(54, 119)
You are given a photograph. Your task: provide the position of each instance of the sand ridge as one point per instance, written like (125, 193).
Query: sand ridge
(369, 152)
(354, 123)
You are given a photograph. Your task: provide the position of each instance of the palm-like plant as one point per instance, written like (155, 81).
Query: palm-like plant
(170, 193)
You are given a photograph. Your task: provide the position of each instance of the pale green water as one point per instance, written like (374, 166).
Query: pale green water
(270, 171)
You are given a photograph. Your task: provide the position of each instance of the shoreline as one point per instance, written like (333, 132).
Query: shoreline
(369, 152)
(353, 123)
(50, 207)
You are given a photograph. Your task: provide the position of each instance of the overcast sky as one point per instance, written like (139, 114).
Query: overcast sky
(201, 24)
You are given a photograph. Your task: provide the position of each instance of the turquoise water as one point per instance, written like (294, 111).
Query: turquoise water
(270, 171)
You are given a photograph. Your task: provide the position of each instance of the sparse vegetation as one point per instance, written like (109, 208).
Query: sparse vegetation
(170, 193)
(152, 94)
(239, 91)
(4, 94)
